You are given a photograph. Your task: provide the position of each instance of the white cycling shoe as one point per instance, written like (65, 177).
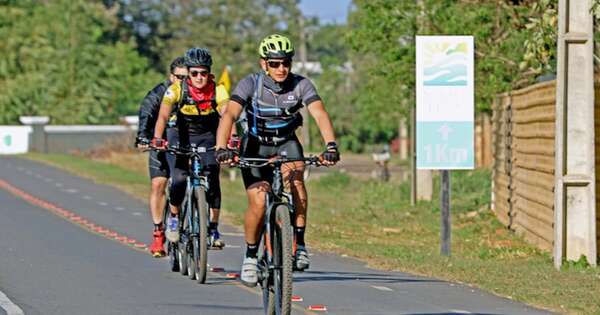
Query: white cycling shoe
(249, 274)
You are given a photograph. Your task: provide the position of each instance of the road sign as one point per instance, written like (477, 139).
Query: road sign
(445, 102)
(14, 139)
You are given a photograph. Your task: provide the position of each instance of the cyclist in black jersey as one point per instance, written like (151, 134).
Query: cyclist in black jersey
(157, 161)
(270, 101)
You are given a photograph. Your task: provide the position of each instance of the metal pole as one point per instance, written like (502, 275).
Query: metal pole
(445, 212)
(303, 71)
(413, 158)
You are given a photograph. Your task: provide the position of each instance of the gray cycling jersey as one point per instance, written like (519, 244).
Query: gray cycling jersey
(272, 111)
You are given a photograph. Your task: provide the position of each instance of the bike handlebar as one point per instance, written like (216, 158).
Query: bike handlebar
(262, 162)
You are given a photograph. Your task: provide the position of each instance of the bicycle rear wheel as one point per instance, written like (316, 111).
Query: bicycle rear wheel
(202, 244)
(192, 264)
(183, 245)
(279, 288)
(172, 251)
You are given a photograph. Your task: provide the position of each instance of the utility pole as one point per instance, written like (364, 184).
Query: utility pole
(302, 51)
(574, 175)
(421, 180)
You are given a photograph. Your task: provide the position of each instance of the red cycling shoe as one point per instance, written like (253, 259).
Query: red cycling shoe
(156, 248)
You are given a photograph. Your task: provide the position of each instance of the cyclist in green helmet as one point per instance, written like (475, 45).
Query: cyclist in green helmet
(270, 101)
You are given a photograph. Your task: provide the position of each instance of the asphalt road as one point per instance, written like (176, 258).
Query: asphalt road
(58, 257)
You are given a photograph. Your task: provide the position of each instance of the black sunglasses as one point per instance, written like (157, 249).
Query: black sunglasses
(179, 76)
(276, 64)
(203, 73)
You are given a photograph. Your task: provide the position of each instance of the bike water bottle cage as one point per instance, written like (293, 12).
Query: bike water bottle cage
(272, 123)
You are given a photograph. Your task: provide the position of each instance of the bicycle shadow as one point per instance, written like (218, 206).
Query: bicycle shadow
(215, 306)
(321, 276)
(453, 313)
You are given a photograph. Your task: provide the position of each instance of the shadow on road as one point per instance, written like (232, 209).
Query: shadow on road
(215, 306)
(452, 313)
(353, 276)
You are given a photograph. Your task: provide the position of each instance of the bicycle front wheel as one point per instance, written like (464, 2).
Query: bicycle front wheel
(202, 241)
(280, 291)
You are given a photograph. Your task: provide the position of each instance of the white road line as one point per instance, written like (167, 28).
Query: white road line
(47, 180)
(232, 234)
(102, 203)
(8, 306)
(381, 288)
(119, 208)
(86, 197)
(71, 190)
(233, 246)
(58, 184)
(460, 312)
(38, 176)
(136, 213)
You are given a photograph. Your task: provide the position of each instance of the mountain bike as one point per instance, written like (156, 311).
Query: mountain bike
(275, 264)
(190, 254)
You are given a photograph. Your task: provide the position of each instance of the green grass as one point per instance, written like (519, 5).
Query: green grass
(375, 222)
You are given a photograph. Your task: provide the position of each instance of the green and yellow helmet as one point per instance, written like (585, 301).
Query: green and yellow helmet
(276, 46)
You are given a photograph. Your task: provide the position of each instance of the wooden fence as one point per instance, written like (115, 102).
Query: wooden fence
(523, 124)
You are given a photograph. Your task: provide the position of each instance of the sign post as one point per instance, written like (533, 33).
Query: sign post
(445, 113)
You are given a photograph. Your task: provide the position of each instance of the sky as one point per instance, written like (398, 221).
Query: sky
(328, 11)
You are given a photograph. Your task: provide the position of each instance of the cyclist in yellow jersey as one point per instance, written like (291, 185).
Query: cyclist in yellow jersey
(190, 114)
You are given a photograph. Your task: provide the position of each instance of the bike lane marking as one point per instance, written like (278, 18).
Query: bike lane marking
(105, 233)
(8, 306)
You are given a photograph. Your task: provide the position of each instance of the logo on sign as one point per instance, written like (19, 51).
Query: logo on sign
(445, 64)
(7, 140)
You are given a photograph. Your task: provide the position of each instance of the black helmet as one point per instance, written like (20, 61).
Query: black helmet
(196, 57)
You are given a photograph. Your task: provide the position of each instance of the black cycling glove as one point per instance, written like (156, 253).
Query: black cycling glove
(224, 155)
(331, 154)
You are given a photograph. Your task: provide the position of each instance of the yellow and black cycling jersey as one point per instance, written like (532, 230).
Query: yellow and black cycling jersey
(199, 114)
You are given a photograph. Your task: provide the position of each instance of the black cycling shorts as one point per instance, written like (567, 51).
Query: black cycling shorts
(157, 164)
(252, 148)
(180, 166)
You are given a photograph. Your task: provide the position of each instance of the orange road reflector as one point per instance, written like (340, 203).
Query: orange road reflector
(297, 298)
(318, 308)
(232, 275)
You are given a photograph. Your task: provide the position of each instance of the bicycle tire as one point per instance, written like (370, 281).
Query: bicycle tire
(183, 247)
(171, 247)
(279, 301)
(192, 256)
(202, 242)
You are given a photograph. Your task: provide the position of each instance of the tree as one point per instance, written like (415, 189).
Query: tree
(60, 63)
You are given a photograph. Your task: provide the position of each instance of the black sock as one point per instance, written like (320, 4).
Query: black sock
(213, 226)
(158, 226)
(251, 250)
(300, 235)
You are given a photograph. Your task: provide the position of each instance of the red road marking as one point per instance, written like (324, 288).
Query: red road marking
(232, 275)
(217, 269)
(319, 308)
(297, 298)
(68, 215)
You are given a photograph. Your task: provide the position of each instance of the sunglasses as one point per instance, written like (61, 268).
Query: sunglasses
(179, 76)
(203, 73)
(277, 64)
